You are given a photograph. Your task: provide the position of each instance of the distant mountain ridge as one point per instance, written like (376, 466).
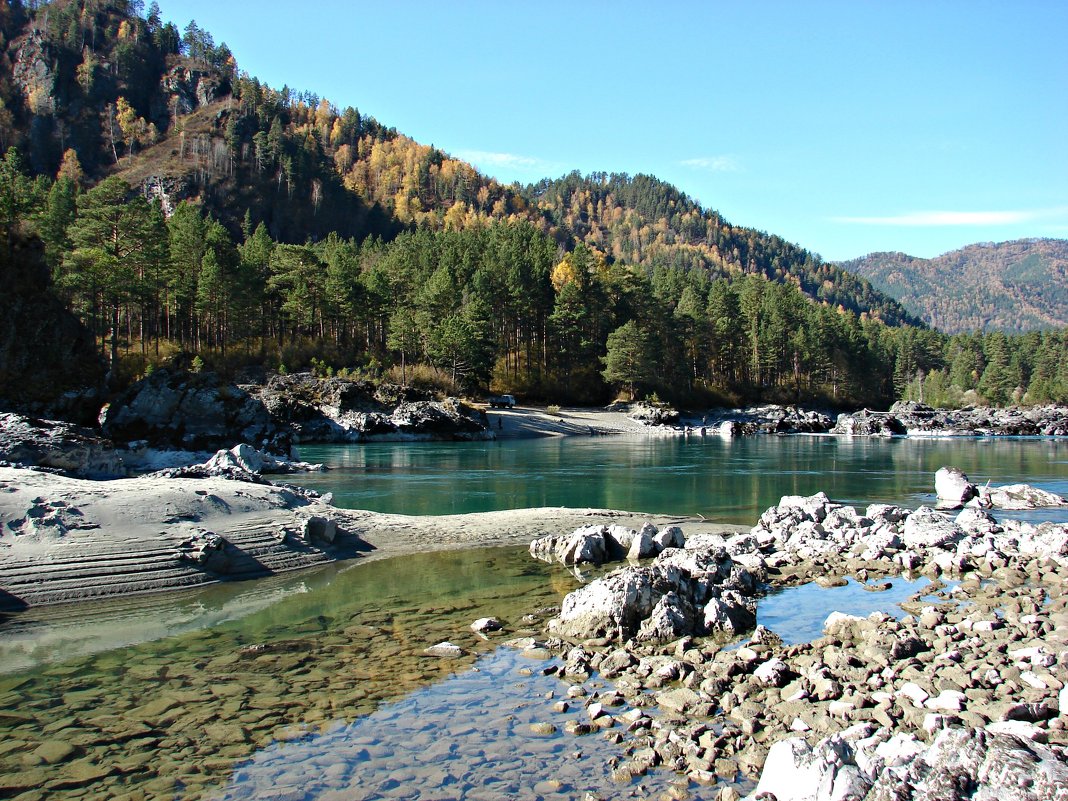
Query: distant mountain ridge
(1015, 286)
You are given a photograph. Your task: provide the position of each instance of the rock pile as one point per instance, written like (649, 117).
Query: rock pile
(599, 544)
(770, 419)
(974, 677)
(55, 444)
(918, 419)
(344, 410)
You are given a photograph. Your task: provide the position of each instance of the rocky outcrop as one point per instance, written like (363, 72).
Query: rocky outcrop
(184, 89)
(167, 190)
(866, 423)
(961, 698)
(1017, 496)
(862, 763)
(243, 463)
(344, 410)
(802, 530)
(192, 411)
(55, 444)
(245, 457)
(681, 593)
(597, 544)
(770, 419)
(917, 419)
(49, 364)
(653, 414)
(32, 71)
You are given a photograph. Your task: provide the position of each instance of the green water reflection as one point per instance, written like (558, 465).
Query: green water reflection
(730, 481)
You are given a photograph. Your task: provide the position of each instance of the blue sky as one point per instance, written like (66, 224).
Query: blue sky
(846, 126)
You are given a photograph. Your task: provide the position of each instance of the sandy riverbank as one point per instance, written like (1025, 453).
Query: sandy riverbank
(65, 539)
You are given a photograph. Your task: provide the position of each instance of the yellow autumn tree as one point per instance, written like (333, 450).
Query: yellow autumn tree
(563, 273)
(70, 168)
(134, 129)
(456, 216)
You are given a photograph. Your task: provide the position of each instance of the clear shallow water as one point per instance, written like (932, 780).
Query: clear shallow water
(797, 614)
(729, 481)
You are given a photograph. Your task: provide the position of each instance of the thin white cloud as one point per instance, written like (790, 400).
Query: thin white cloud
(489, 159)
(919, 219)
(713, 163)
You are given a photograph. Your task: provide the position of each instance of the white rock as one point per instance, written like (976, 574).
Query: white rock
(1019, 728)
(795, 771)
(621, 536)
(933, 722)
(642, 546)
(926, 528)
(837, 620)
(670, 537)
(914, 693)
(840, 709)
(900, 749)
(486, 624)
(1020, 496)
(585, 545)
(947, 701)
(953, 487)
(772, 673)
(1031, 678)
(444, 649)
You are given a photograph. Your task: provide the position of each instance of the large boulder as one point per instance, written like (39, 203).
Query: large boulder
(616, 605)
(952, 487)
(653, 414)
(192, 411)
(684, 592)
(927, 528)
(596, 544)
(992, 767)
(1018, 496)
(961, 763)
(585, 546)
(797, 771)
(868, 424)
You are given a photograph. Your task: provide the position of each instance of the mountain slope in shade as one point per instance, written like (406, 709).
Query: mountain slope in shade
(1014, 286)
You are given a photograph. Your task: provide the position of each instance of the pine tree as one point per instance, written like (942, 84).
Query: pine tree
(628, 360)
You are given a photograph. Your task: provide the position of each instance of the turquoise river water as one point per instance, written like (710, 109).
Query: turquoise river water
(315, 685)
(729, 481)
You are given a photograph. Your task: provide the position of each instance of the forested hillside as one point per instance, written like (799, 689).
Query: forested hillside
(642, 220)
(1010, 286)
(187, 208)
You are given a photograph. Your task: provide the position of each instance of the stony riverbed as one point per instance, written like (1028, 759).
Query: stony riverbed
(974, 676)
